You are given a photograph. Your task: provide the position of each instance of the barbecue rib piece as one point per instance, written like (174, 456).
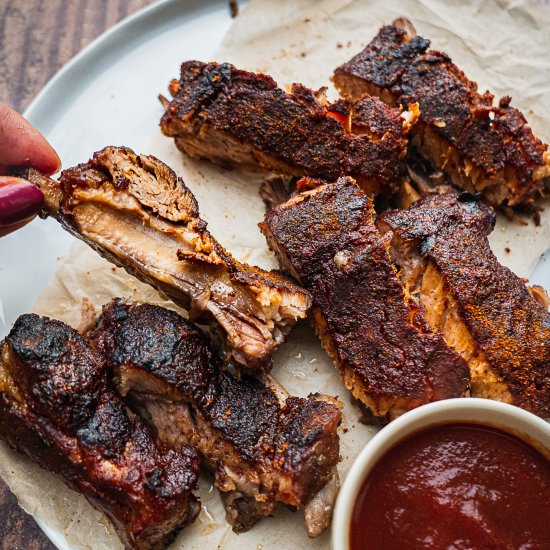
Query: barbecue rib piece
(136, 213)
(241, 119)
(368, 324)
(484, 311)
(57, 407)
(263, 445)
(481, 147)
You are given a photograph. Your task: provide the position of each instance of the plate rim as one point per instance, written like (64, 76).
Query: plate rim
(102, 42)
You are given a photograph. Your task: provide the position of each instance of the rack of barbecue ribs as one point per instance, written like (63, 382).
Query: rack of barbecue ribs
(368, 323)
(479, 146)
(484, 311)
(264, 446)
(240, 119)
(138, 214)
(57, 406)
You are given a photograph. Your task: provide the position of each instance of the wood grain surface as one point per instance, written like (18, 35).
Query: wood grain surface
(37, 37)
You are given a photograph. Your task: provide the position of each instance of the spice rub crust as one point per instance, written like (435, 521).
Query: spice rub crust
(480, 146)
(374, 333)
(497, 324)
(242, 119)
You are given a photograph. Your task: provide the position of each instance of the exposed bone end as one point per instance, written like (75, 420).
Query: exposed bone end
(406, 25)
(318, 511)
(410, 116)
(49, 187)
(165, 102)
(540, 295)
(7, 381)
(87, 317)
(242, 512)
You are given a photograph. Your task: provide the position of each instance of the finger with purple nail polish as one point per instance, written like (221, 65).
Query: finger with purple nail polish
(20, 201)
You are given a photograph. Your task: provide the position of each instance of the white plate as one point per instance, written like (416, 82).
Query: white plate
(105, 95)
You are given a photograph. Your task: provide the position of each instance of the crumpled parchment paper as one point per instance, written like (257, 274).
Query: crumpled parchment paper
(502, 45)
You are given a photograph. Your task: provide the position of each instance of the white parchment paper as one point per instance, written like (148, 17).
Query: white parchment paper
(502, 45)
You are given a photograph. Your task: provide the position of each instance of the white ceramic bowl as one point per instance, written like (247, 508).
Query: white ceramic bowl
(514, 420)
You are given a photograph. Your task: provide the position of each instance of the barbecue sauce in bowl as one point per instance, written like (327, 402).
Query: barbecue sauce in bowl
(455, 486)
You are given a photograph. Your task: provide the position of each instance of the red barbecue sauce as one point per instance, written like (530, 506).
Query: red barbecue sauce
(461, 486)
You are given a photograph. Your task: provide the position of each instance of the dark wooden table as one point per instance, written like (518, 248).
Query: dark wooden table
(37, 38)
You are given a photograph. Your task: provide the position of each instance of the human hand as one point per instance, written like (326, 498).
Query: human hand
(21, 145)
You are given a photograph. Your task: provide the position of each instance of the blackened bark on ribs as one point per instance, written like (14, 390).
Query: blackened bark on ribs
(480, 146)
(263, 445)
(241, 119)
(480, 307)
(136, 213)
(57, 407)
(371, 328)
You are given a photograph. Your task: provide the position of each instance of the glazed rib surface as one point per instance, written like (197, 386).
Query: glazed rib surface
(58, 408)
(264, 446)
(481, 147)
(374, 333)
(136, 213)
(242, 119)
(482, 309)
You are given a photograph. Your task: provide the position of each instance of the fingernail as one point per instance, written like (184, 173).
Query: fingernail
(19, 200)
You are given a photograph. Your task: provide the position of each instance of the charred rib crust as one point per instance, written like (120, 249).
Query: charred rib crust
(286, 449)
(506, 323)
(376, 337)
(482, 147)
(160, 342)
(43, 365)
(56, 406)
(262, 126)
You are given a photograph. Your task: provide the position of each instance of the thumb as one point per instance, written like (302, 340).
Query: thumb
(20, 201)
